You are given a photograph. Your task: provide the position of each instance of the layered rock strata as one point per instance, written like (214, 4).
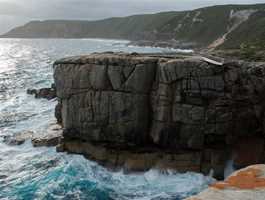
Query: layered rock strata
(180, 112)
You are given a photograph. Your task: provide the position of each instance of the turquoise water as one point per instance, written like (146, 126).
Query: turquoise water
(28, 173)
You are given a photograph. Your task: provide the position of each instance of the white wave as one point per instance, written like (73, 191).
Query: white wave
(229, 168)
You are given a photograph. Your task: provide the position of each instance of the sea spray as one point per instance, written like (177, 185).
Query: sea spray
(229, 168)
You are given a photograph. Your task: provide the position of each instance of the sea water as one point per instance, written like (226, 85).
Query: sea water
(28, 173)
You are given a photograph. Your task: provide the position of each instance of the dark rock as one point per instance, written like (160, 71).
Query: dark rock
(46, 93)
(58, 113)
(247, 151)
(162, 102)
(32, 91)
(53, 86)
(2, 176)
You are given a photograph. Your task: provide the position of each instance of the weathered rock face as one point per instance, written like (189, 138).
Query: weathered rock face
(172, 104)
(107, 98)
(246, 184)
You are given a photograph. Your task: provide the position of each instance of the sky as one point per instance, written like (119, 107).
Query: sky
(18, 12)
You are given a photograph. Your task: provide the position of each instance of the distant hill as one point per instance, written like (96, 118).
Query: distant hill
(219, 26)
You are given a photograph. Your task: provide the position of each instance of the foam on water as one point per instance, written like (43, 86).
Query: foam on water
(45, 174)
(42, 173)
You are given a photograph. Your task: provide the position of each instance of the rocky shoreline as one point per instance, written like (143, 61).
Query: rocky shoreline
(140, 111)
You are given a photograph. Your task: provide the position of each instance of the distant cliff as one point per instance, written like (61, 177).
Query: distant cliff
(218, 26)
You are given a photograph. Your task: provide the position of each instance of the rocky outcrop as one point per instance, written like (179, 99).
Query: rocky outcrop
(143, 103)
(46, 93)
(49, 138)
(246, 184)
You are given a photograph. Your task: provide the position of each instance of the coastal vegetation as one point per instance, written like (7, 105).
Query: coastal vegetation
(218, 27)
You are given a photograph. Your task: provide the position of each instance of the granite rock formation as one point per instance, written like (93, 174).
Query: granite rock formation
(194, 113)
(246, 184)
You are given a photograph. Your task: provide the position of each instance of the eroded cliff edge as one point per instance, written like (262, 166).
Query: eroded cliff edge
(142, 111)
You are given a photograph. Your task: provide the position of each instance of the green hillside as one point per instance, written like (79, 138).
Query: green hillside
(237, 24)
(250, 31)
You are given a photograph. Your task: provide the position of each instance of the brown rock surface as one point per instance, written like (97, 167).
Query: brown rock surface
(46, 93)
(134, 159)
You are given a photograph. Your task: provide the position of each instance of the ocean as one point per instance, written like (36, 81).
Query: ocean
(28, 173)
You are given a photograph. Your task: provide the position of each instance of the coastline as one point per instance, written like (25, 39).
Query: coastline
(113, 105)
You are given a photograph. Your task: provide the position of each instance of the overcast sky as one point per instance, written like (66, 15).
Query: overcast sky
(17, 12)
